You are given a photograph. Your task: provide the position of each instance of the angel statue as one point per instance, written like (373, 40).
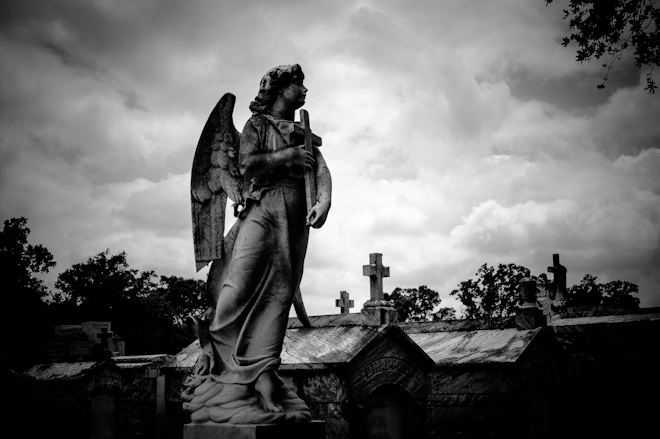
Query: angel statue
(256, 269)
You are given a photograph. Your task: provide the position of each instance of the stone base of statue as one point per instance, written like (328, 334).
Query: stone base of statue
(299, 430)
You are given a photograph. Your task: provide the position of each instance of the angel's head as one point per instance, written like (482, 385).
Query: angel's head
(275, 80)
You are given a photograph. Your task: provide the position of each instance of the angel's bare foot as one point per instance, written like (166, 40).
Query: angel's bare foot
(266, 386)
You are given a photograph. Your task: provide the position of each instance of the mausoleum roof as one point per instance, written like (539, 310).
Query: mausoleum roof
(317, 347)
(136, 361)
(61, 371)
(310, 348)
(77, 370)
(337, 339)
(188, 356)
(465, 347)
(347, 319)
(559, 324)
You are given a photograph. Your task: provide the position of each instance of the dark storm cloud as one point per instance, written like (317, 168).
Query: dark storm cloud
(89, 68)
(82, 65)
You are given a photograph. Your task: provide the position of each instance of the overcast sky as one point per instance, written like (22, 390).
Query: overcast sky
(457, 133)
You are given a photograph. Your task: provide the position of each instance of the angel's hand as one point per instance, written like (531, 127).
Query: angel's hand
(301, 157)
(318, 214)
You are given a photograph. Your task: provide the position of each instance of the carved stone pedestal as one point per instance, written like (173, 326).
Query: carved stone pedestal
(530, 318)
(303, 430)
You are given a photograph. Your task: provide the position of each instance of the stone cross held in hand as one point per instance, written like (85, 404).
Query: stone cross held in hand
(344, 302)
(376, 272)
(310, 140)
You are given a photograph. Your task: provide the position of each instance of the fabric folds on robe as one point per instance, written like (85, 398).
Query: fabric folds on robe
(260, 270)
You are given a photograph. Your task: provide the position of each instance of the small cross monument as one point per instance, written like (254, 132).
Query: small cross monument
(344, 303)
(104, 351)
(377, 309)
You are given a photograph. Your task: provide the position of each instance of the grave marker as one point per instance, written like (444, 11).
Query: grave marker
(376, 272)
(344, 303)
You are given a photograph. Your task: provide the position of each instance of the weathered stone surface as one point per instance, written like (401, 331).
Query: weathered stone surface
(527, 290)
(465, 400)
(350, 319)
(305, 430)
(470, 381)
(290, 382)
(344, 302)
(461, 347)
(391, 358)
(530, 318)
(600, 322)
(324, 387)
(338, 409)
(376, 271)
(337, 428)
(376, 315)
(323, 346)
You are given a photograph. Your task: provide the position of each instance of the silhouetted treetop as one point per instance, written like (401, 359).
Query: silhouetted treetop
(613, 27)
(419, 305)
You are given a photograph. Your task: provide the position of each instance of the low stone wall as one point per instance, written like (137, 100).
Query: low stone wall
(326, 395)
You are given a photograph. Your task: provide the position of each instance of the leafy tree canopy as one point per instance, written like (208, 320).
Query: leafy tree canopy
(418, 304)
(612, 27)
(21, 261)
(589, 292)
(493, 294)
(103, 282)
(187, 296)
(146, 313)
(24, 319)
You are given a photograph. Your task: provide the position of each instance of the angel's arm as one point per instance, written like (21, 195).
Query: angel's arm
(323, 179)
(319, 213)
(254, 162)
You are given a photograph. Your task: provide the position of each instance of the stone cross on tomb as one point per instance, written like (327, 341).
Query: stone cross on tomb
(104, 335)
(560, 273)
(376, 272)
(344, 302)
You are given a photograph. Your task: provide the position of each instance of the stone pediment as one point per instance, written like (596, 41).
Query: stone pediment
(390, 358)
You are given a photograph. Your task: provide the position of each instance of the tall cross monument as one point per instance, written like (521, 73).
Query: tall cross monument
(376, 272)
(377, 309)
(559, 272)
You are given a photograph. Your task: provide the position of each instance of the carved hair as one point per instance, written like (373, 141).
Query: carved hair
(272, 82)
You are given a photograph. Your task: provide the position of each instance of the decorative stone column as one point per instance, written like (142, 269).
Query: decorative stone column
(528, 315)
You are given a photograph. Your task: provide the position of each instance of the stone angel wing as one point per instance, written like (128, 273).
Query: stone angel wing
(215, 175)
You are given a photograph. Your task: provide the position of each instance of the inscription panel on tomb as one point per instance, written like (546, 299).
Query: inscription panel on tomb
(391, 359)
(387, 364)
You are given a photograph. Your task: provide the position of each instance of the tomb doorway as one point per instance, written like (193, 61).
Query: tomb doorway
(383, 414)
(103, 415)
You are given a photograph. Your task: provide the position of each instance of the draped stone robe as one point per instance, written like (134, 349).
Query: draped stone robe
(262, 264)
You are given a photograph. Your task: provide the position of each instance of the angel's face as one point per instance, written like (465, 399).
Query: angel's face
(294, 94)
